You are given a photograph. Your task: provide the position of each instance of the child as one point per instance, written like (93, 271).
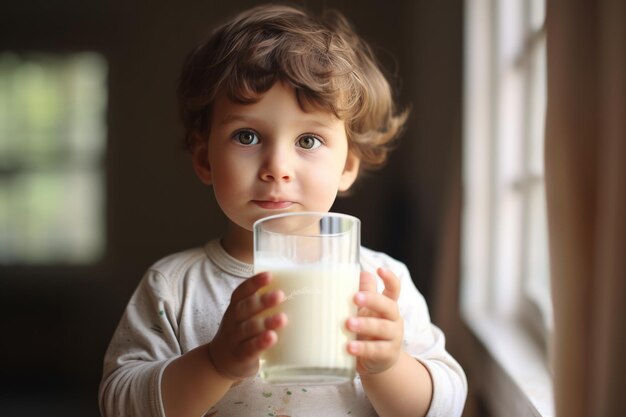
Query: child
(281, 110)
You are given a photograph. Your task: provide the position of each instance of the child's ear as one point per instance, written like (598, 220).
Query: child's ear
(200, 160)
(350, 172)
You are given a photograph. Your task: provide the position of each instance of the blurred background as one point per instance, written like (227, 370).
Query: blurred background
(94, 185)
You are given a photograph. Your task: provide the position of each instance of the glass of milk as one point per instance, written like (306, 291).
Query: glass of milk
(314, 259)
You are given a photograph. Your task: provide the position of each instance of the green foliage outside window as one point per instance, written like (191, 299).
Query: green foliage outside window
(52, 145)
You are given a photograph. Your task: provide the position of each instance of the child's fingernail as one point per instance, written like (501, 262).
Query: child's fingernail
(360, 298)
(353, 347)
(353, 323)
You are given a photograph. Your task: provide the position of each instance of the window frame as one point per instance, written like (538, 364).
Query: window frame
(499, 107)
(76, 164)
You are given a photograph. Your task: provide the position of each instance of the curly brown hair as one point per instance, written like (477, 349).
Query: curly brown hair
(322, 57)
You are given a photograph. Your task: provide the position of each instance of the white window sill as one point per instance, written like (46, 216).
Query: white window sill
(516, 381)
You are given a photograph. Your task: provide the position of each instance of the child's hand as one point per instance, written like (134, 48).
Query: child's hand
(243, 335)
(379, 326)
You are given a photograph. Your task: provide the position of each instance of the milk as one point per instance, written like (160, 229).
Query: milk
(312, 347)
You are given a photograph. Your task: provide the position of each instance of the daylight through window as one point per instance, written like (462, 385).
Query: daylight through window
(52, 146)
(505, 253)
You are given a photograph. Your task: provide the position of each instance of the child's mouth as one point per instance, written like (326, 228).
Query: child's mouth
(273, 205)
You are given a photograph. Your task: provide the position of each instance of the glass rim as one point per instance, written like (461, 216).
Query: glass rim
(257, 224)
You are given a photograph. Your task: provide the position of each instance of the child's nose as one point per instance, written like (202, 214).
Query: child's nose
(277, 166)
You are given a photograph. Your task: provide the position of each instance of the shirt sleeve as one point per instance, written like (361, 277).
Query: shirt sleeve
(426, 343)
(141, 348)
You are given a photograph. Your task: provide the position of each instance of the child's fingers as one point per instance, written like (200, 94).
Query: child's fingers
(255, 303)
(250, 286)
(392, 283)
(379, 304)
(257, 325)
(252, 337)
(373, 351)
(373, 328)
(367, 282)
(254, 346)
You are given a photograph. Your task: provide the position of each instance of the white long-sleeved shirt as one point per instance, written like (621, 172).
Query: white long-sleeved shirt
(178, 306)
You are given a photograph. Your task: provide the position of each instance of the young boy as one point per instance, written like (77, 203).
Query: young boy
(281, 110)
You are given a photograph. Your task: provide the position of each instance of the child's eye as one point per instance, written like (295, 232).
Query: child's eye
(246, 137)
(309, 142)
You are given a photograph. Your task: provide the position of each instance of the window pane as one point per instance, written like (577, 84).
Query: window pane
(505, 248)
(537, 283)
(537, 106)
(52, 143)
(537, 279)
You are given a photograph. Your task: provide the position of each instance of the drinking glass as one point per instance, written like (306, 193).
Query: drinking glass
(314, 259)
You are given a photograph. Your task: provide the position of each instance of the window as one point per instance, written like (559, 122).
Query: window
(506, 291)
(52, 145)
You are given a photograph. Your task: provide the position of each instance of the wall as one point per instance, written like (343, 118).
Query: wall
(57, 321)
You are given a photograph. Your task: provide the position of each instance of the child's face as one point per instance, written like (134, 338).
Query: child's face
(272, 157)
